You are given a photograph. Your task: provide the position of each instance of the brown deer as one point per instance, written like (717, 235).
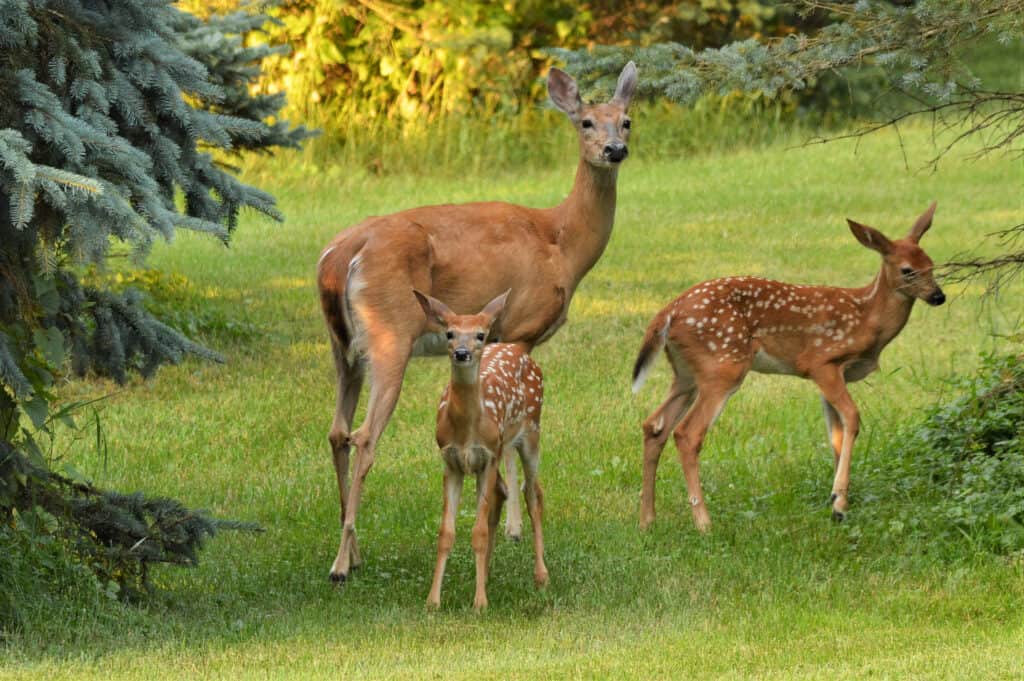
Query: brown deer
(489, 410)
(718, 330)
(465, 254)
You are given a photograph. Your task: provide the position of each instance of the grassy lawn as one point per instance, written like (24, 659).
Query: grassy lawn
(776, 590)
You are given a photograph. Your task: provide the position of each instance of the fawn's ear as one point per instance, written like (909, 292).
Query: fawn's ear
(922, 224)
(564, 94)
(870, 237)
(494, 308)
(437, 312)
(626, 87)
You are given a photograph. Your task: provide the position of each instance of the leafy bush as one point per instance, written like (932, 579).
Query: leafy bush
(355, 63)
(962, 470)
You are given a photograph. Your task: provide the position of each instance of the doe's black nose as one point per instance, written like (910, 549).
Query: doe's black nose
(937, 298)
(615, 152)
(462, 355)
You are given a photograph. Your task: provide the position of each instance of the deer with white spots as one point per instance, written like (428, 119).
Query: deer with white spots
(718, 330)
(489, 410)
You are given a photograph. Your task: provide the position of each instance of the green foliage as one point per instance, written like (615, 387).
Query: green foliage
(920, 47)
(356, 63)
(964, 467)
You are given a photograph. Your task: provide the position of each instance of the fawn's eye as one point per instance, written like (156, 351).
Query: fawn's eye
(626, 123)
(480, 337)
(449, 335)
(587, 123)
(907, 271)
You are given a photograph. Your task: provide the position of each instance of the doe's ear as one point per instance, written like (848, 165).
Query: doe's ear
(626, 87)
(437, 312)
(564, 94)
(922, 224)
(870, 237)
(496, 306)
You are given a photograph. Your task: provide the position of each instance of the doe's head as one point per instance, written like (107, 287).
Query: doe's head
(905, 262)
(603, 129)
(467, 333)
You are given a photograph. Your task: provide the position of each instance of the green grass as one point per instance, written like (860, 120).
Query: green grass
(776, 590)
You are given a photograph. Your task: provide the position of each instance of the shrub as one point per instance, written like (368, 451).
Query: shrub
(962, 469)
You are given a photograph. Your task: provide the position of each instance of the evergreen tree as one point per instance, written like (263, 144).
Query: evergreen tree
(111, 112)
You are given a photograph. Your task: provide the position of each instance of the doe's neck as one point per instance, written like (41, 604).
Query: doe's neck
(586, 216)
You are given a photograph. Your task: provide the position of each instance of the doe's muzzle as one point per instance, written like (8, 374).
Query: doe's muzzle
(937, 298)
(615, 152)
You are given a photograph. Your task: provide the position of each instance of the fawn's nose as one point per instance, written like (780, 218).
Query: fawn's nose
(937, 298)
(615, 152)
(462, 355)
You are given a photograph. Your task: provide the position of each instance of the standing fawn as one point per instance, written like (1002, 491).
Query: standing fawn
(465, 254)
(489, 410)
(718, 330)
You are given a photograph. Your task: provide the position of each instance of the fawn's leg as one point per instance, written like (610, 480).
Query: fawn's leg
(712, 394)
(446, 535)
(529, 451)
(833, 386)
(834, 430)
(656, 428)
(488, 510)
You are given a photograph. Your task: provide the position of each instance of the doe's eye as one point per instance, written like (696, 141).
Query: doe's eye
(480, 337)
(627, 123)
(449, 335)
(587, 123)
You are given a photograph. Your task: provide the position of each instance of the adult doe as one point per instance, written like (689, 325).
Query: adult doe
(718, 330)
(489, 410)
(465, 254)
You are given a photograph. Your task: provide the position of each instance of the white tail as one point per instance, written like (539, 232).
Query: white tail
(490, 410)
(719, 330)
(465, 254)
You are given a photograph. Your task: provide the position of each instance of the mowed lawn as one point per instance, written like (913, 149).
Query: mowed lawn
(776, 590)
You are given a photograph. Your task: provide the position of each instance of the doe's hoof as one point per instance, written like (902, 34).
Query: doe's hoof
(338, 577)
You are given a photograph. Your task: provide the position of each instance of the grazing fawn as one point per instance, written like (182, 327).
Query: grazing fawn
(465, 254)
(489, 410)
(718, 330)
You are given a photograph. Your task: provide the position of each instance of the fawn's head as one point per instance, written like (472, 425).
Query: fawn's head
(466, 333)
(907, 267)
(603, 128)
